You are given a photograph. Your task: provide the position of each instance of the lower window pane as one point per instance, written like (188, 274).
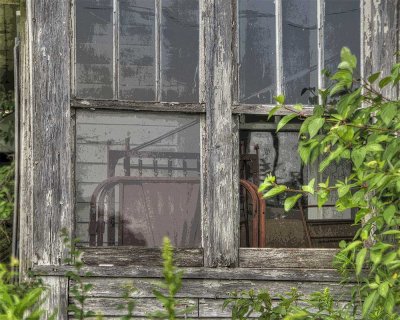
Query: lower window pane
(264, 151)
(137, 179)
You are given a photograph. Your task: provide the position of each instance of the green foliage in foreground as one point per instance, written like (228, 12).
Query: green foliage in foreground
(169, 288)
(289, 306)
(21, 300)
(356, 122)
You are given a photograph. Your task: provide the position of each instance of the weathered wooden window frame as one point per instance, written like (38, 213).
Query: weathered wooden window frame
(214, 201)
(125, 255)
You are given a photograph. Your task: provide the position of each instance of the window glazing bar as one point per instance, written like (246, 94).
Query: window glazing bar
(279, 63)
(321, 55)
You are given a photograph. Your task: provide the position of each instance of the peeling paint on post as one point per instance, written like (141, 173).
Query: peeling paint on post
(220, 240)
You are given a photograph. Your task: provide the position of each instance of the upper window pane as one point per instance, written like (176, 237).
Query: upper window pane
(342, 28)
(285, 38)
(94, 49)
(299, 49)
(141, 50)
(180, 50)
(137, 50)
(257, 51)
(137, 179)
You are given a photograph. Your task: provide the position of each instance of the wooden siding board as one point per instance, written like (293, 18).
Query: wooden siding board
(286, 258)
(255, 274)
(209, 289)
(123, 256)
(143, 306)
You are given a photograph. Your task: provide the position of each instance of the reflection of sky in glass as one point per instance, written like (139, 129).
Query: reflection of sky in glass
(180, 50)
(137, 50)
(342, 28)
(299, 41)
(257, 51)
(94, 51)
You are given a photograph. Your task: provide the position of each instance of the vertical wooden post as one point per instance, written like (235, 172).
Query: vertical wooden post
(47, 109)
(221, 226)
(380, 39)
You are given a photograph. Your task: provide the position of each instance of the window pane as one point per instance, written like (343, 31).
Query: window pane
(300, 57)
(264, 151)
(342, 28)
(137, 50)
(180, 50)
(257, 51)
(137, 179)
(94, 51)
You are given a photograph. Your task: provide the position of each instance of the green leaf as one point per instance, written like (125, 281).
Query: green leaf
(373, 77)
(275, 191)
(291, 201)
(389, 213)
(360, 260)
(369, 303)
(383, 289)
(315, 125)
(285, 120)
(273, 111)
(343, 190)
(352, 245)
(388, 112)
(280, 99)
(358, 156)
(374, 147)
(310, 187)
(385, 81)
(347, 56)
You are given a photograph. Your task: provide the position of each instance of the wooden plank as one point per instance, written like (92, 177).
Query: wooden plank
(302, 275)
(210, 289)
(220, 243)
(127, 256)
(24, 200)
(214, 308)
(263, 109)
(138, 106)
(380, 29)
(143, 306)
(286, 258)
(51, 188)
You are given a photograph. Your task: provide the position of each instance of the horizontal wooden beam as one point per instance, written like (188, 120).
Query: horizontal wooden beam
(288, 274)
(130, 256)
(138, 106)
(307, 258)
(263, 109)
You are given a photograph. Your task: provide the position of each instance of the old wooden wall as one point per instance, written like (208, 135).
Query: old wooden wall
(46, 175)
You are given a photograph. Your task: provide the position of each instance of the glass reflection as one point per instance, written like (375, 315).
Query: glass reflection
(264, 223)
(257, 51)
(137, 179)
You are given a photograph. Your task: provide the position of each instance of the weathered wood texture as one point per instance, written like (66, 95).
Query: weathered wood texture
(47, 208)
(138, 106)
(24, 200)
(206, 295)
(381, 39)
(256, 274)
(219, 237)
(128, 256)
(263, 109)
(286, 258)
